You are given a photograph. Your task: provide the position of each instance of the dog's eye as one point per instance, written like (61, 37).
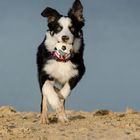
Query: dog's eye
(72, 29)
(59, 28)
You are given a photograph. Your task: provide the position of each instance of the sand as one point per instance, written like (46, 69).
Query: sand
(98, 125)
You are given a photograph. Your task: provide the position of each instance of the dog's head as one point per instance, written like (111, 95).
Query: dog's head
(65, 28)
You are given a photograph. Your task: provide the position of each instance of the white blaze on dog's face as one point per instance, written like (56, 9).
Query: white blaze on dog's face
(63, 33)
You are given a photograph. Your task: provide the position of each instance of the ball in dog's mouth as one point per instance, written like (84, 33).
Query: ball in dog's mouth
(63, 51)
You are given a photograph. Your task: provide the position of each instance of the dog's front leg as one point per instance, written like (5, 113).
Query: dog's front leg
(64, 92)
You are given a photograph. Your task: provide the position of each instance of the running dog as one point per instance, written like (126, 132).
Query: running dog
(60, 59)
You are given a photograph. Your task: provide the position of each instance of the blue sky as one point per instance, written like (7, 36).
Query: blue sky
(112, 54)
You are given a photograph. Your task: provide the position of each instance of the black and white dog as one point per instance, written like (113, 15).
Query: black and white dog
(60, 59)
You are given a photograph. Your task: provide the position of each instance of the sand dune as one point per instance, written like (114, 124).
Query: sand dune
(99, 125)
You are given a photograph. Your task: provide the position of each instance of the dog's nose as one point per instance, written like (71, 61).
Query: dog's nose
(63, 48)
(65, 38)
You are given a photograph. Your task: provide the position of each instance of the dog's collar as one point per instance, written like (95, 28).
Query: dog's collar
(54, 55)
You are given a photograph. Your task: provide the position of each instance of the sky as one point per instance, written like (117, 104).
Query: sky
(112, 54)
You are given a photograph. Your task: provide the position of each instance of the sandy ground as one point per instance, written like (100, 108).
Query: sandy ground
(99, 125)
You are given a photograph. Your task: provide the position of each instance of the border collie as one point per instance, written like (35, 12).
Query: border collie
(60, 59)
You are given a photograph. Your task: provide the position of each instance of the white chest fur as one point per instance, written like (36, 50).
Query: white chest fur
(60, 70)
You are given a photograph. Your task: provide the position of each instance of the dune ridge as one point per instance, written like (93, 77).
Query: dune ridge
(97, 125)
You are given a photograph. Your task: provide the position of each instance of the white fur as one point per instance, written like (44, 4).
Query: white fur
(50, 42)
(65, 91)
(65, 22)
(61, 71)
(77, 45)
(51, 95)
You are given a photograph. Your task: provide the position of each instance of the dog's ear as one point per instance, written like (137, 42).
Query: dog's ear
(76, 11)
(51, 14)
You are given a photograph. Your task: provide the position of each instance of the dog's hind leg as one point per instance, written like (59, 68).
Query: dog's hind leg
(44, 110)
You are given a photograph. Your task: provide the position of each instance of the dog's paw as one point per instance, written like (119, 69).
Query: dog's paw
(63, 119)
(44, 120)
